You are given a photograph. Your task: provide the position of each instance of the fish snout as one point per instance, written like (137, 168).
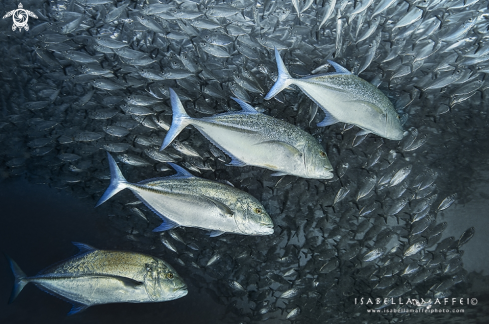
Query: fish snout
(181, 291)
(328, 174)
(267, 227)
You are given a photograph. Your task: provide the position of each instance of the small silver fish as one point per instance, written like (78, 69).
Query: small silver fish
(213, 259)
(293, 313)
(466, 236)
(367, 187)
(415, 247)
(447, 202)
(290, 293)
(374, 254)
(236, 286)
(400, 175)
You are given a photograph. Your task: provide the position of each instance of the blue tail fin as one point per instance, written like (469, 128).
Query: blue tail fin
(180, 119)
(20, 280)
(284, 79)
(117, 181)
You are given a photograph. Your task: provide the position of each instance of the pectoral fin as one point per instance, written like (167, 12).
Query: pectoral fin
(369, 105)
(225, 210)
(128, 282)
(279, 145)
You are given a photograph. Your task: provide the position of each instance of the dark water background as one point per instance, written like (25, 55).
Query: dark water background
(37, 227)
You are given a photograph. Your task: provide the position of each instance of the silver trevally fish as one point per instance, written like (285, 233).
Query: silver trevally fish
(252, 138)
(186, 200)
(94, 277)
(346, 98)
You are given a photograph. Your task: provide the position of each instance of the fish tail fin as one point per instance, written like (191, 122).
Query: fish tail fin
(20, 279)
(180, 119)
(117, 181)
(284, 79)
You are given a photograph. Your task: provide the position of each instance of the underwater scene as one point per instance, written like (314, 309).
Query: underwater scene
(244, 161)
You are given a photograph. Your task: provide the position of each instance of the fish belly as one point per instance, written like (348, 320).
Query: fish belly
(94, 290)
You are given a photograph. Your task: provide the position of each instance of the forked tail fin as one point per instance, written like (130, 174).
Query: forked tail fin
(180, 119)
(284, 79)
(117, 181)
(20, 280)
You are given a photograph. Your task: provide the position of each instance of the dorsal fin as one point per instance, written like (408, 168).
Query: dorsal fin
(245, 106)
(338, 68)
(83, 247)
(180, 171)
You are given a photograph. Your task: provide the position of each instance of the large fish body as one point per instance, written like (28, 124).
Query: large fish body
(94, 277)
(185, 200)
(345, 97)
(252, 138)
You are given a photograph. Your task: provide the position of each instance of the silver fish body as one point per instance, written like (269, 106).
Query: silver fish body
(346, 98)
(94, 277)
(186, 200)
(252, 138)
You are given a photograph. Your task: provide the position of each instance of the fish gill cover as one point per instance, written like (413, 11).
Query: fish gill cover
(91, 76)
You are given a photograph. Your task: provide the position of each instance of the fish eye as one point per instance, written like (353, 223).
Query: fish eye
(169, 275)
(258, 210)
(322, 154)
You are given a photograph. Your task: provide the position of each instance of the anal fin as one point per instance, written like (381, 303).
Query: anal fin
(363, 132)
(77, 308)
(328, 120)
(278, 174)
(166, 225)
(215, 233)
(236, 162)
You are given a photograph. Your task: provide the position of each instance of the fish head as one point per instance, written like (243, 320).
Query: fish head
(393, 129)
(316, 162)
(254, 219)
(162, 282)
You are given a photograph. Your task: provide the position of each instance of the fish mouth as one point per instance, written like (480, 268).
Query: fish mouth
(180, 292)
(268, 230)
(329, 175)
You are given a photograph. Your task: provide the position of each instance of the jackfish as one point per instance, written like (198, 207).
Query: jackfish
(186, 200)
(346, 98)
(94, 277)
(252, 138)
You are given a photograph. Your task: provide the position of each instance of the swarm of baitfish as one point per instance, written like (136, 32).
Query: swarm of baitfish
(92, 76)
